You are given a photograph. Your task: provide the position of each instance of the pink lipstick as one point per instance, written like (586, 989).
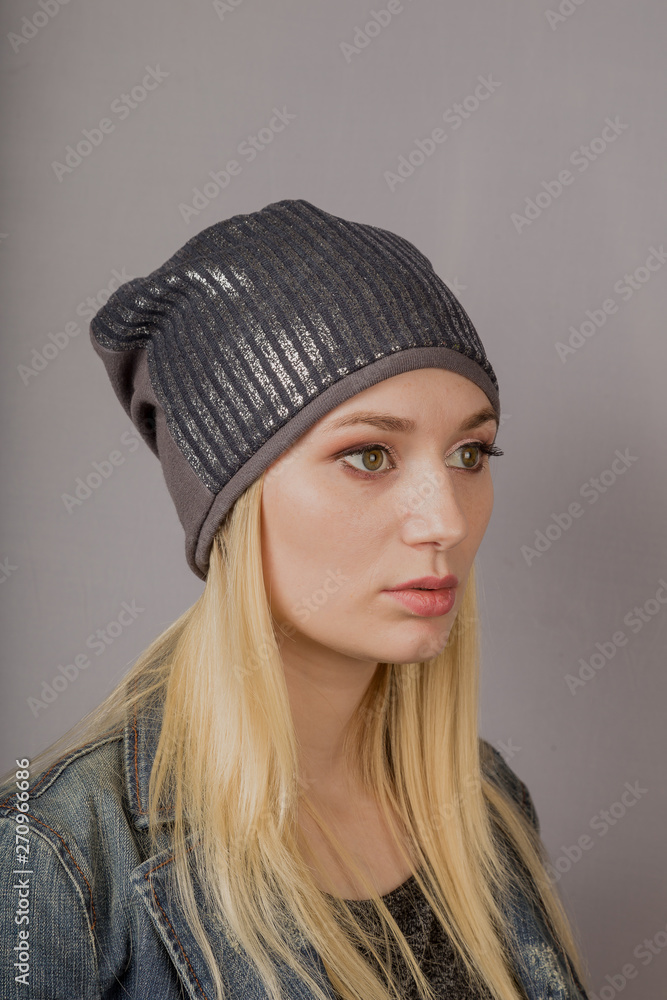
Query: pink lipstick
(428, 596)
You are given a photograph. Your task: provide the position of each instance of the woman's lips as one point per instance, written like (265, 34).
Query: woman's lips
(426, 603)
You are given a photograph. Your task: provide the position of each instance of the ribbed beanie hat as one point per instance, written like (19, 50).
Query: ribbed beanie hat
(254, 330)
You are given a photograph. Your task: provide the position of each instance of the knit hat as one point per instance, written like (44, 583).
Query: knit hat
(255, 329)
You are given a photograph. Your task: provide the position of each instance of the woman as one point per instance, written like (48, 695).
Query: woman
(287, 795)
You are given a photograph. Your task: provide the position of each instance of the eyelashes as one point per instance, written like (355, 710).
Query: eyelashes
(484, 449)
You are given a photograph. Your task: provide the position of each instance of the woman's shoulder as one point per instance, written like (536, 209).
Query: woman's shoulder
(66, 841)
(71, 816)
(87, 779)
(497, 770)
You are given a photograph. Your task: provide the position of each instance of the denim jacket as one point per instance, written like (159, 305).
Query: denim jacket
(88, 913)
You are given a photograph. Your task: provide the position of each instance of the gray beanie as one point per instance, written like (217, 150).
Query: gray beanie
(254, 330)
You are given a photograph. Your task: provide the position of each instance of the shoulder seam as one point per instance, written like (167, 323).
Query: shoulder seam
(62, 763)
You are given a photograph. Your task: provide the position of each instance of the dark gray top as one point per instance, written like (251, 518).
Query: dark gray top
(432, 948)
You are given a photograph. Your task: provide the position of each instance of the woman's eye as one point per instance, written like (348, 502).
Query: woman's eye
(472, 455)
(371, 459)
(375, 458)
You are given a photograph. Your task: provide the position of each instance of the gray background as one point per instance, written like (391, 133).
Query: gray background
(67, 574)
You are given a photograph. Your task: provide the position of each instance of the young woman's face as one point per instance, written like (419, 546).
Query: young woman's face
(356, 508)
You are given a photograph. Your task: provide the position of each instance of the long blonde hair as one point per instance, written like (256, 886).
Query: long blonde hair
(227, 762)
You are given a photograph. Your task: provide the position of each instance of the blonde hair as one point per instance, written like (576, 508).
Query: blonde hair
(227, 761)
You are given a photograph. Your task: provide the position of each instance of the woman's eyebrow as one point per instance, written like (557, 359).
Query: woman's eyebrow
(388, 422)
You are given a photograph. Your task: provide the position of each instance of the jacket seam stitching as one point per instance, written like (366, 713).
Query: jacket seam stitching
(136, 753)
(140, 809)
(42, 823)
(65, 761)
(171, 927)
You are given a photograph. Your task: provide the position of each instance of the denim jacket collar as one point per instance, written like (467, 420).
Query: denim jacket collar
(153, 881)
(541, 967)
(142, 732)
